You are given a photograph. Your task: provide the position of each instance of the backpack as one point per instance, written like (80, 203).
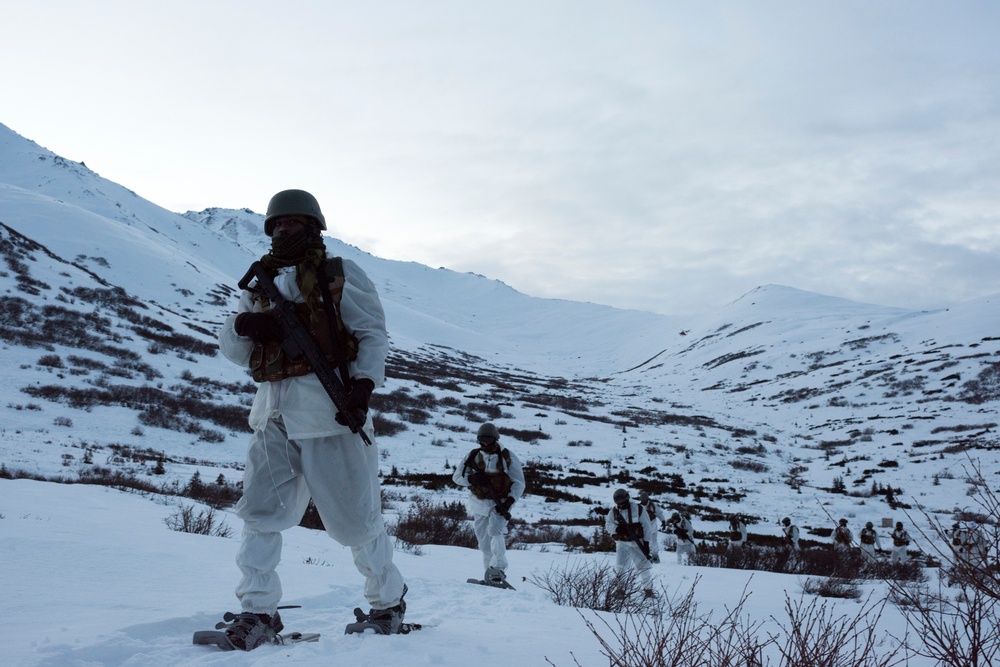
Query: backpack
(500, 481)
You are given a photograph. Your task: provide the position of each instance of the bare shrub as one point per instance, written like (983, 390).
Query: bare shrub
(833, 587)
(816, 636)
(594, 585)
(385, 426)
(751, 466)
(523, 534)
(428, 523)
(956, 625)
(51, 360)
(205, 522)
(678, 636)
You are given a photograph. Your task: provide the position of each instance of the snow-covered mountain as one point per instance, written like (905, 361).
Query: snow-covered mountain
(110, 306)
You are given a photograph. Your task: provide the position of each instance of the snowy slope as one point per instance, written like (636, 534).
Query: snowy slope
(108, 311)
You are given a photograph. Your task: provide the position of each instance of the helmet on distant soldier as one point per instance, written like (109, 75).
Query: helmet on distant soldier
(643, 496)
(786, 521)
(621, 496)
(292, 202)
(488, 430)
(843, 522)
(869, 525)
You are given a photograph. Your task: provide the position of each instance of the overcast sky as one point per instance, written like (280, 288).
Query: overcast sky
(662, 155)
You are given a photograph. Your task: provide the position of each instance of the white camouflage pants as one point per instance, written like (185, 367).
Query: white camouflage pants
(628, 556)
(491, 532)
(340, 474)
(685, 549)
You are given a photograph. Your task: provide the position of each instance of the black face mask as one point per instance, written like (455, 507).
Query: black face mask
(294, 245)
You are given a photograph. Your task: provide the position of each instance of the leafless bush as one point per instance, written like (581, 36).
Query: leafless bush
(428, 523)
(594, 585)
(523, 534)
(678, 636)
(816, 637)
(957, 625)
(752, 466)
(205, 522)
(385, 426)
(833, 587)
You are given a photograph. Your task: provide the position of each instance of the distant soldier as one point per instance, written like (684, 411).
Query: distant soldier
(684, 531)
(869, 541)
(842, 537)
(656, 518)
(791, 534)
(737, 531)
(900, 540)
(628, 524)
(495, 479)
(959, 538)
(975, 544)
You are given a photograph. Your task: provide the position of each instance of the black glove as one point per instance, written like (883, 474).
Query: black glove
(479, 478)
(507, 503)
(259, 327)
(357, 401)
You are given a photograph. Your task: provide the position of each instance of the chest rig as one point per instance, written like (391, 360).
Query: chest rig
(269, 362)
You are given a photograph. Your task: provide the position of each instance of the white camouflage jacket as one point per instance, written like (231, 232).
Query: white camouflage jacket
(301, 402)
(492, 462)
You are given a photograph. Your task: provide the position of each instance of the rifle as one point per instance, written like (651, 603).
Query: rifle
(497, 503)
(297, 342)
(630, 533)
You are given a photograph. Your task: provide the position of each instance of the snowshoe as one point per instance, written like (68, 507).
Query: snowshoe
(243, 632)
(381, 621)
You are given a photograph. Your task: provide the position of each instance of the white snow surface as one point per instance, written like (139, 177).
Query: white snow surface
(93, 576)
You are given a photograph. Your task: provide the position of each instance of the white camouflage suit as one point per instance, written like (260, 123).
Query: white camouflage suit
(628, 555)
(298, 451)
(657, 518)
(490, 527)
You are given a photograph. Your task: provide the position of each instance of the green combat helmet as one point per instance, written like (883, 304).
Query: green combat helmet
(488, 430)
(292, 202)
(620, 496)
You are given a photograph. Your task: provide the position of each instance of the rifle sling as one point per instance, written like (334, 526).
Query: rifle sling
(333, 316)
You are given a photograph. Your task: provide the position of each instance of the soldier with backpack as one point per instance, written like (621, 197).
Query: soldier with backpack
(842, 536)
(303, 446)
(975, 545)
(656, 518)
(900, 540)
(869, 541)
(791, 534)
(737, 531)
(628, 524)
(684, 530)
(494, 476)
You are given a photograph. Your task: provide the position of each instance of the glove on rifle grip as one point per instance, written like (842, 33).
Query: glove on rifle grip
(259, 327)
